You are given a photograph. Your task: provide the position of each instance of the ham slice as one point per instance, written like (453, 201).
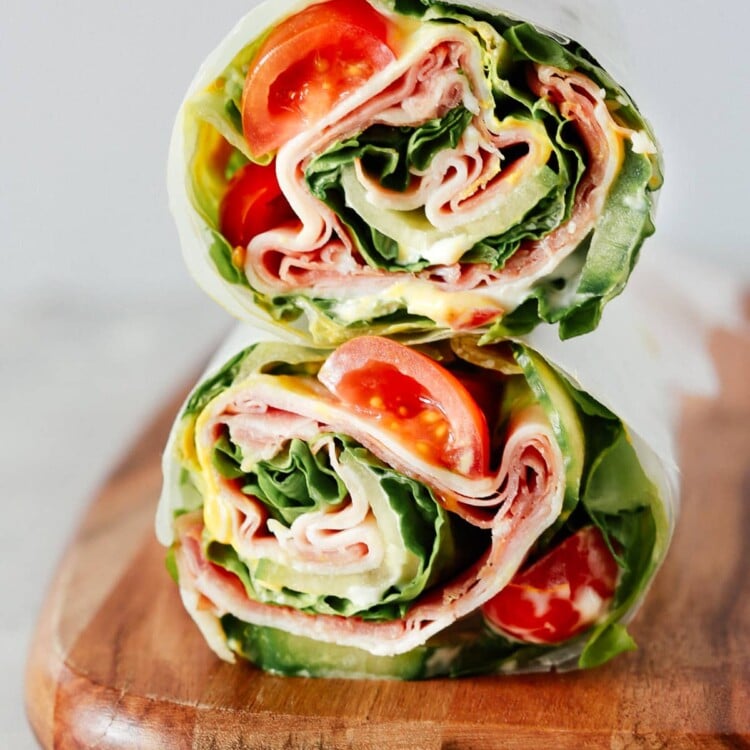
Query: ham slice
(515, 503)
(581, 102)
(459, 185)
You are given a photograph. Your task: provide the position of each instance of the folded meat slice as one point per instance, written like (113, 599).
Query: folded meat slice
(515, 503)
(418, 87)
(583, 103)
(463, 184)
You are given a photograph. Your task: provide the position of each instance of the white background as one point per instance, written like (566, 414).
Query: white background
(99, 320)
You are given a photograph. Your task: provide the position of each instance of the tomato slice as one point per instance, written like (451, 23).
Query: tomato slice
(561, 594)
(416, 398)
(307, 64)
(253, 203)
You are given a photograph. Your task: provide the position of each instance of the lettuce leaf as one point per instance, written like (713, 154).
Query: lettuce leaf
(294, 482)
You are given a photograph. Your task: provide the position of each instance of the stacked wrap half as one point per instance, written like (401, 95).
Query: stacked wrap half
(400, 477)
(460, 171)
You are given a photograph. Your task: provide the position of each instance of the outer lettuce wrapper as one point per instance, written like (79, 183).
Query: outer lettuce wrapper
(408, 290)
(617, 474)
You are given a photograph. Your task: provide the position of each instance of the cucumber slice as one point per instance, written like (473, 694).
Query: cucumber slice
(466, 648)
(295, 655)
(418, 239)
(563, 415)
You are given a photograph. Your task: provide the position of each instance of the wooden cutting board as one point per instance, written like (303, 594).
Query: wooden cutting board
(116, 662)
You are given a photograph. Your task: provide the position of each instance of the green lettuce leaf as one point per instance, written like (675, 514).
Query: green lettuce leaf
(292, 483)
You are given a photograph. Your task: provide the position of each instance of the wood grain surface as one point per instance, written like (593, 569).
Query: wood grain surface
(117, 663)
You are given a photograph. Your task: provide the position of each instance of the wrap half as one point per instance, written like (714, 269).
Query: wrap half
(380, 510)
(409, 168)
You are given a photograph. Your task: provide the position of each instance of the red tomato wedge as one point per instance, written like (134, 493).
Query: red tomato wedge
(416, 398)
(561, 594)
(252, 204)
(307, 64)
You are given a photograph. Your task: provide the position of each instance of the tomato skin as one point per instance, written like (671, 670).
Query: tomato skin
(253, 203)
(560, 595)
(475, 319)
(415, 398)
(307, 64)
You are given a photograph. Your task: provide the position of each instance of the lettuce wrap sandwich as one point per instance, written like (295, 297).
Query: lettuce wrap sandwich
(380, 510)
(408, 168)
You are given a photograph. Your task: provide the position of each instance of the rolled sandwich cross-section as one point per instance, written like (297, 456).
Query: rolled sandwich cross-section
(386, 511)
(407, 168)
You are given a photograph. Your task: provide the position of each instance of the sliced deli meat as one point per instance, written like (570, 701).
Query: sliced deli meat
(386, 510)
(409, 168)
